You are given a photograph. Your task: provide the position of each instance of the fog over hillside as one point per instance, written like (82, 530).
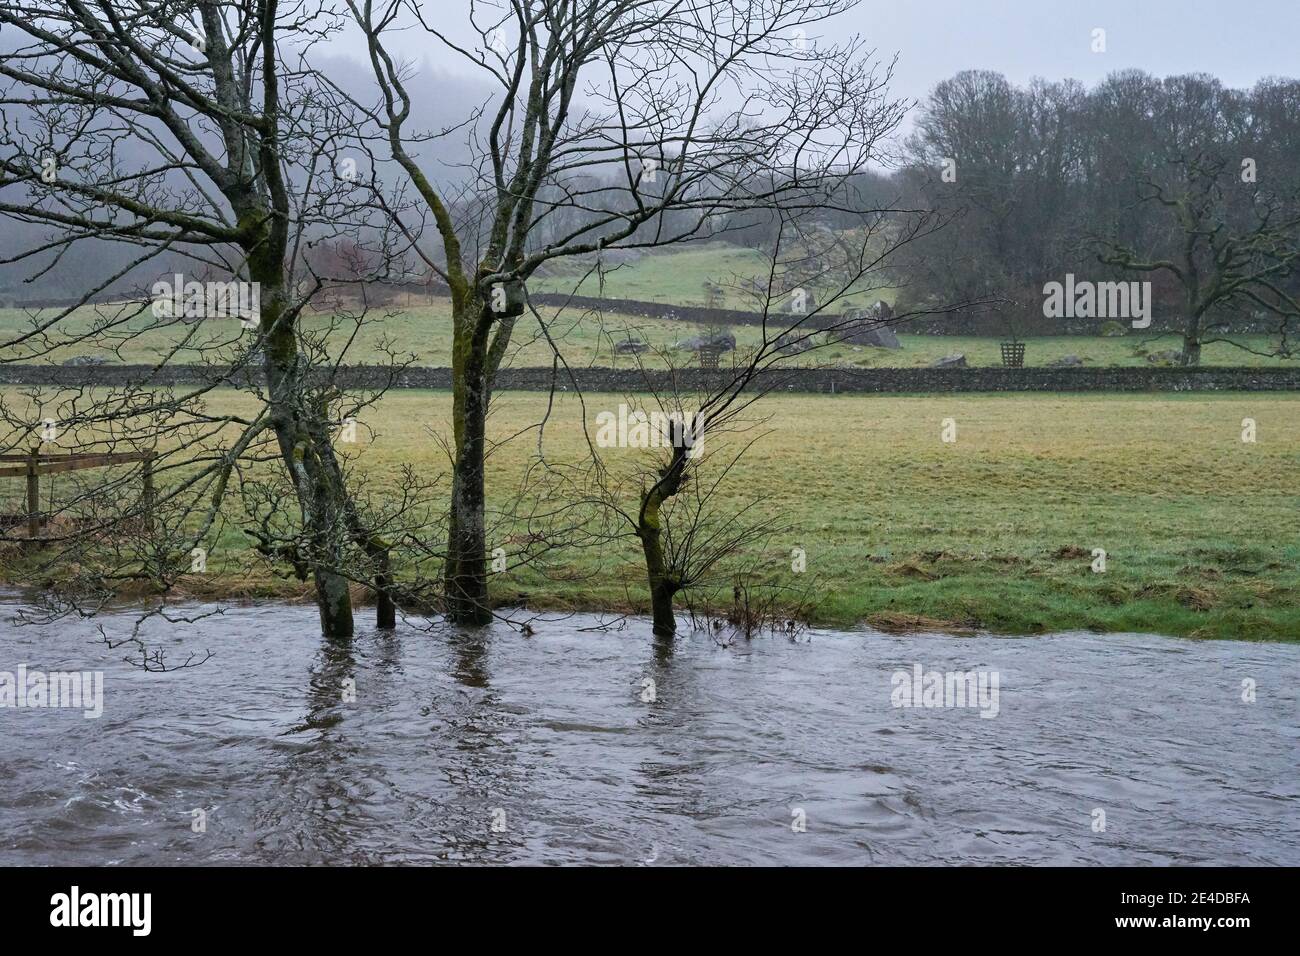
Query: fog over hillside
(453, 95)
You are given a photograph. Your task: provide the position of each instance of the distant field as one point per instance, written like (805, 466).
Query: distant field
(418, 327)
(421, 330)
(675, 276)
(1202, 531)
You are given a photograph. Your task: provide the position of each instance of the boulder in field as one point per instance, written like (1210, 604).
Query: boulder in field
(1165, 357)
(794, 341)
(956, 360)
(1066, 361)
(630, 347)
(78, 361)
(879, 336)
(720, 341)
(867, 327)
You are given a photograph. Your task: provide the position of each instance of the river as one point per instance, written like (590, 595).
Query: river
(583, 744)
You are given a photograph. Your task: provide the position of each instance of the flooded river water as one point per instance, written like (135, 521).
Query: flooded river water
(582, 745)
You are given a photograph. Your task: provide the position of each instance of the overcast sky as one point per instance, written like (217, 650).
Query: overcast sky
(1238, 41)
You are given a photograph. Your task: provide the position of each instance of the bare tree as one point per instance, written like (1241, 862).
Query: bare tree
(618, 124)
(669, 502)
(196, 137)
(1238, 246)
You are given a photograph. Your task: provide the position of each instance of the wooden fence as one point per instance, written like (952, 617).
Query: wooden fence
(35, 463)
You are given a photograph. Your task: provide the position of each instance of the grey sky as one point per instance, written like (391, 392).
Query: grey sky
(1238, 41)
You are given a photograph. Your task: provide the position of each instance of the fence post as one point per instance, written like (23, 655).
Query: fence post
(385, 607)
(33, 495)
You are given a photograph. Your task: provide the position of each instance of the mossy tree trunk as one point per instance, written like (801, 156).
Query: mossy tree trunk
(664, 580)
(465, 575)
(302, 432)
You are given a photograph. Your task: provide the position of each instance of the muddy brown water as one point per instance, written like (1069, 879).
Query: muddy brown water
(494, 747)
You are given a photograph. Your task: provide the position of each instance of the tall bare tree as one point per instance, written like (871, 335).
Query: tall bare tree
(700, 107)
(194, 136)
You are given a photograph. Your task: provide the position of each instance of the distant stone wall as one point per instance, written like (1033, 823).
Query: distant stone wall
(654, 310)
(905, 380)
(990, 325)
(897, 380)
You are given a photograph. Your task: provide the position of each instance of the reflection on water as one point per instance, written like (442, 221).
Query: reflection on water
(430, 745)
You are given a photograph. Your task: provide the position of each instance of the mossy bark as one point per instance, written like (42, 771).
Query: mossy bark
(465, 574)
(303, 437)
(663, 578)
(662, 586)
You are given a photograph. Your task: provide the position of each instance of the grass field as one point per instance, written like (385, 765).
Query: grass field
(674, 276)
(418, 327)
(422, 331)
(997, 530)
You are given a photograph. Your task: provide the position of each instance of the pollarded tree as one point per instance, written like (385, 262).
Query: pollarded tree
(669, 499)
(192, 134)
(703, 108)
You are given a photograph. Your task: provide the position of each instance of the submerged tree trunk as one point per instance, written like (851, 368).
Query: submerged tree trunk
(662, 586)
(379, 552)
(465, 575)
(304, 441)
(466, 570)
(663, 579)
(385, 607)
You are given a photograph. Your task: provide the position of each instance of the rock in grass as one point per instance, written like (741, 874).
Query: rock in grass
(881, 336)
(1165, 357)
(722, 341)
(956, 360)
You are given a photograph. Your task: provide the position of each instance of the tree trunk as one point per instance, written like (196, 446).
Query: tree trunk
(466, 571)
(303, 437)
(465, 575)
(335, 604)
(385, 608)
(1191, 355)
(662, 586)
(322, 500)
(378, 551)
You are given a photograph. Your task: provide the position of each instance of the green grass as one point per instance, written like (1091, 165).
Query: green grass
(996, 531)
(674, 276)
(677, 276)
(418, 328)
(421, 332)
(1202, 532)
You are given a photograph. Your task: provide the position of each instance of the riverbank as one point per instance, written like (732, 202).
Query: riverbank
(1019, 608)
